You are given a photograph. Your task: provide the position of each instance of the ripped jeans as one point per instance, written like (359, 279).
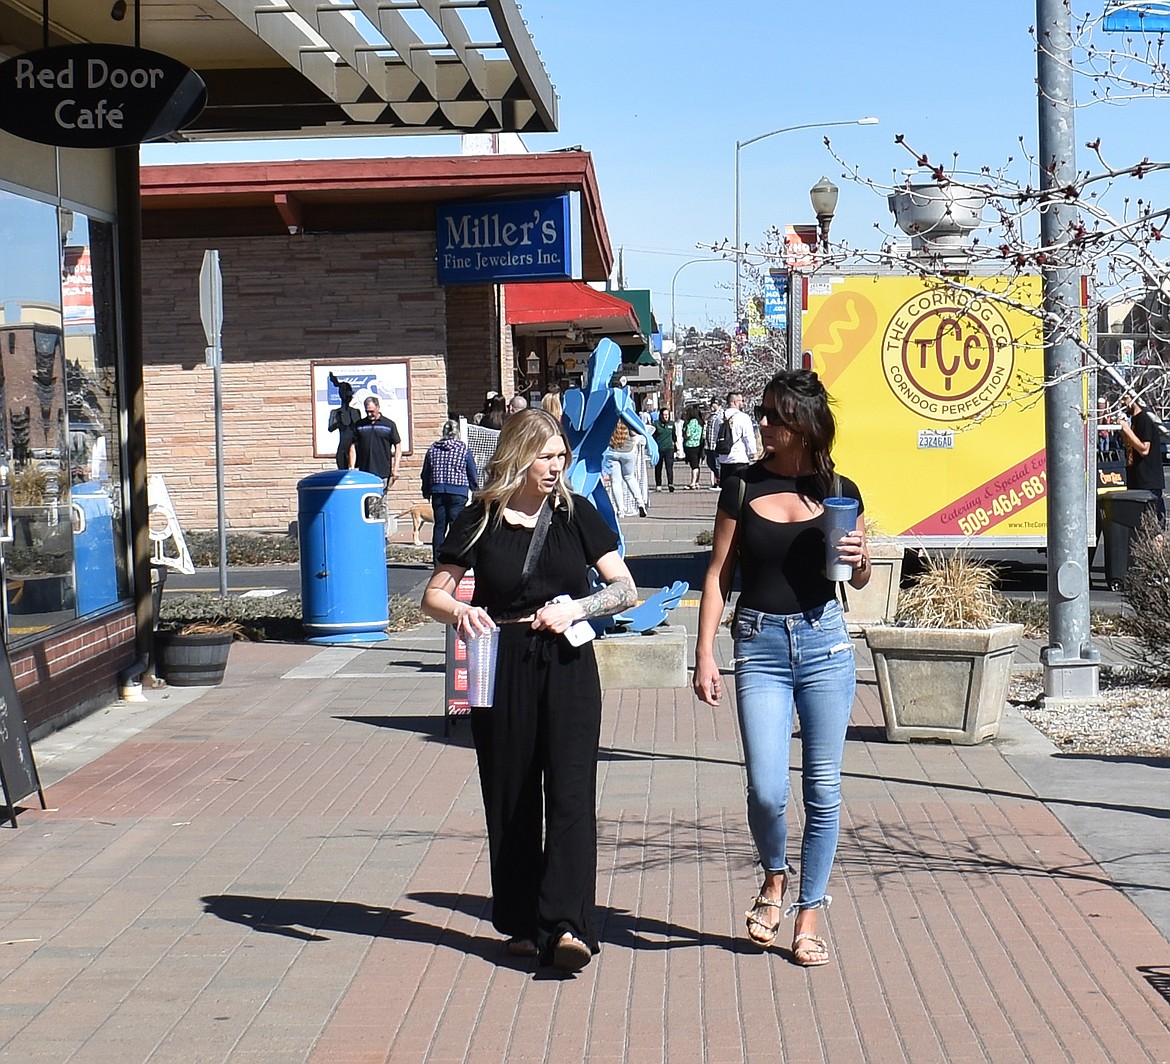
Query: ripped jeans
(802, 661)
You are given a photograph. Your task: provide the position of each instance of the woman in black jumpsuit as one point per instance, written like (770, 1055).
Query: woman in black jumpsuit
(537, 745)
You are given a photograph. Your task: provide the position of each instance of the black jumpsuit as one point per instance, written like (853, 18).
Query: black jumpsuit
(537, 745)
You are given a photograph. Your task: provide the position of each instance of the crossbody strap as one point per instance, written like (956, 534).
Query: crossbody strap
(535, 545)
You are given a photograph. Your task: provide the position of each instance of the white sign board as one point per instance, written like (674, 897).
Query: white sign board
(388, 380)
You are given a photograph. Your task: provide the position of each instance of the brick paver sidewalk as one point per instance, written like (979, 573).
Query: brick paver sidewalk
(291, 867)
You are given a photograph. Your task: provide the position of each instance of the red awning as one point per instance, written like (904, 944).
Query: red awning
(554, 306)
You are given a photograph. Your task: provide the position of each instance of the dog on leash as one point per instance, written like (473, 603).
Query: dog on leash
(421, 513)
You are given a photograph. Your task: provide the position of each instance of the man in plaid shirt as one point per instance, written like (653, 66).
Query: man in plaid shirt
(448, 474)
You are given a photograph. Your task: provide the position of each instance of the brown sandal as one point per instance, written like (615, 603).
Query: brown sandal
(766, 933)
(570, 954)
(520, 947)
(813, 955)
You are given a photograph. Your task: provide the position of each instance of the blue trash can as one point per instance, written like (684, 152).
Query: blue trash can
(94, 560)
(344, 595)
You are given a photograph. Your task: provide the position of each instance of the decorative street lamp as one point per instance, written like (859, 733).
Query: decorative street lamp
(824, 204)
(739, 146)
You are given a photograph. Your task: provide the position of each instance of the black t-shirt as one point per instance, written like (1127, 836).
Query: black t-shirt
(781, 563)
(573, 544)
(1145, 471)
(376, 441)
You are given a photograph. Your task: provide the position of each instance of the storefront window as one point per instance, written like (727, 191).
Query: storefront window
(58, 414)
(95, 468)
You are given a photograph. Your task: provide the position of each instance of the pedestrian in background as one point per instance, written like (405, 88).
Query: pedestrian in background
(537, 745)
(377, 446)
(664, 433)
(792, 650)
(448, 475)
(1143, 454)
(626, 466)
(743, 438)
(495, 412)
(551, 401)
(692, 433)
(711, 440)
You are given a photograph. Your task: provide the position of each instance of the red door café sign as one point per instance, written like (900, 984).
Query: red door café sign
(97, 95)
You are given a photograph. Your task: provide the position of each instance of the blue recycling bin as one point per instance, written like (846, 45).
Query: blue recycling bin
(344, 595)
(94, 559)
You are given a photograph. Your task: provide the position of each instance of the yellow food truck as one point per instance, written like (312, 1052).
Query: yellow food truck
(937, 389)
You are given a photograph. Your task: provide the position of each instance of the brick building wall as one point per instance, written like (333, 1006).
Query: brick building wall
(68, 674)
(288, 301)
(473, 345)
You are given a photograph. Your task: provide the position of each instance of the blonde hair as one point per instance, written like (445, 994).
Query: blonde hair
(522, 438)
(551, 402)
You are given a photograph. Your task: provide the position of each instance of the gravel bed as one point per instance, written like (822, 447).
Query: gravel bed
(1131, 720)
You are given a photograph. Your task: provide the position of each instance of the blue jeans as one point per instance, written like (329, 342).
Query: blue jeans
(624, 464)
(802, 661)
(447, 507)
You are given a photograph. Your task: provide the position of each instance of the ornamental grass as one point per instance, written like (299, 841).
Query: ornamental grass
(952, 591)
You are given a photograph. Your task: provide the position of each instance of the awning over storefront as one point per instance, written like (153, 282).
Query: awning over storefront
(353, 195)
(567, 308)
(306, 68)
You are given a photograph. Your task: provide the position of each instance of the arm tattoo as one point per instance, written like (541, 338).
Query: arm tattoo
(612, 598)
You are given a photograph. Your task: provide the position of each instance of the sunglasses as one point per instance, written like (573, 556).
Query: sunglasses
(771, 414)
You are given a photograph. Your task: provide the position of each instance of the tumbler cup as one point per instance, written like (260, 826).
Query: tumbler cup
(840, 517)
(482, 651)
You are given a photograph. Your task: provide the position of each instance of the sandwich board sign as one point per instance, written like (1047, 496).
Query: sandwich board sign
(18, 770)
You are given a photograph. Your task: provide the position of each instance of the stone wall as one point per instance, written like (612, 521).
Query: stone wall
(290, 301)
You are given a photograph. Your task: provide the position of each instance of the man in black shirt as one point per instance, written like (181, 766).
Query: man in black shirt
(376, 444)
(1143, 453)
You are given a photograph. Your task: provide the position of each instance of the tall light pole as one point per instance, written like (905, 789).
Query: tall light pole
(1071, 661)
(689, 262)
(673, 329)
(739, 146)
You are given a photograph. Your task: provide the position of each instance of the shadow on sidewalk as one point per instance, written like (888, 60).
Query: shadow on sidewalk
(430, 726)
(306, 919)
(661, 570)
(615, 927)
(1022, 795)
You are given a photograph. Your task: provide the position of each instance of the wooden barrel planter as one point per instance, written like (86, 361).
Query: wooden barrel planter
(197, 659)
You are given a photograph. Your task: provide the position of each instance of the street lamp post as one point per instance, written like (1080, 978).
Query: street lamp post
(673, 327)
(739, 146)
(689, 262)
(824, 204)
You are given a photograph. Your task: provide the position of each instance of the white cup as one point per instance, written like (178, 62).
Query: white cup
(840, 518)
(482, 652)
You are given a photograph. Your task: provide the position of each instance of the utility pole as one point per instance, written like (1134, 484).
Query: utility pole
(1071, 661)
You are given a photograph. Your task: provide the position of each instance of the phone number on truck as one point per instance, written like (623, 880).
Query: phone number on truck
(1004, 505)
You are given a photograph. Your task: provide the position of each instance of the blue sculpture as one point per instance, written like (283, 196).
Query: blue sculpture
(590, 416)
(651, 613)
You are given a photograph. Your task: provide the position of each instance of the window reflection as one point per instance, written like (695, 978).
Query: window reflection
(87, 272)
(39, 560)
(58, 416)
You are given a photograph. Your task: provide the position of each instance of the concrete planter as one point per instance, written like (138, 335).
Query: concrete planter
(654, 659)
(877, 602)
(938, 683)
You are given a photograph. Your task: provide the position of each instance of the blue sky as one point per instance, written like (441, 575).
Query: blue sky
(660, 91)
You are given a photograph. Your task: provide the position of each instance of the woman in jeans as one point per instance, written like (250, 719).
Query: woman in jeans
(792, 649)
